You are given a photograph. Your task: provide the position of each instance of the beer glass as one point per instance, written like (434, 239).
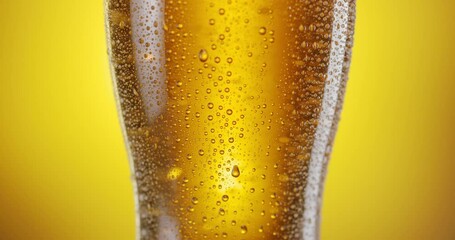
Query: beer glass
(229, 109)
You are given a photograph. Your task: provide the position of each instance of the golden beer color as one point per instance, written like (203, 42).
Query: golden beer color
(221, 101)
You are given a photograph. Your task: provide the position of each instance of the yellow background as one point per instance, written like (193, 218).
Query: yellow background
(63, 167)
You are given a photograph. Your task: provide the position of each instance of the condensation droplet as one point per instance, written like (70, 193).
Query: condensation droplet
(194, 200)
(222, 212)
(201, 152)
(203, 55)
(225, 198)
(235, 171)
(244, 229)
(262, 30)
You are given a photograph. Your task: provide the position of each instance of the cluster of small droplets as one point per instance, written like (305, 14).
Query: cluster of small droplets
(225, 106)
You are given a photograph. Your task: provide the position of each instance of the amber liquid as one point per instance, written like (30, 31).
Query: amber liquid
(221, 102)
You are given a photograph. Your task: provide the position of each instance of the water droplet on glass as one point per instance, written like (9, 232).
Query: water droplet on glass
(244, 229)
(235, 171)
(225, 198)
(222, 212)
(262, 30)
(194, 200)
(203, 55)
(201, 152)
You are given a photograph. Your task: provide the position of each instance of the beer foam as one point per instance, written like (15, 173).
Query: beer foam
(148, 41)
(316, 174)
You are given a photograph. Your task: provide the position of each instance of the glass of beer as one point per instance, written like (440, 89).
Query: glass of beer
(229, 109)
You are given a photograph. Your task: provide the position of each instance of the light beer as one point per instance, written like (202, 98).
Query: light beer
(229, 109)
